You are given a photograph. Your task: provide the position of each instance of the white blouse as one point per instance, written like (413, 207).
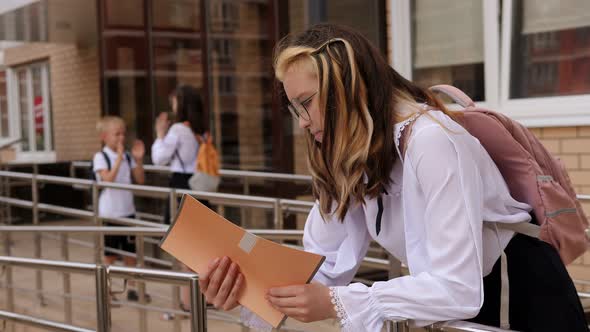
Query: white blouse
(432, 219)
(179, 138)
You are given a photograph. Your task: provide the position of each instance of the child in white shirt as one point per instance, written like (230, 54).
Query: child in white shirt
(114, 164)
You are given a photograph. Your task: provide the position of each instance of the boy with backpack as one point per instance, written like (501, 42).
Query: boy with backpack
(114, 164)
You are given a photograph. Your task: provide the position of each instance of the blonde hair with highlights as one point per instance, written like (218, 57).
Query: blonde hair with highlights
(359, 98)
(107, 122)
(338, 168)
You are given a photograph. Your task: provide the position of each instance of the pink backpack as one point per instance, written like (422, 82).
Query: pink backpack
(533, 176)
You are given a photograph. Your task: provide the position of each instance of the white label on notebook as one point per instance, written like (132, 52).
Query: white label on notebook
(248, 242)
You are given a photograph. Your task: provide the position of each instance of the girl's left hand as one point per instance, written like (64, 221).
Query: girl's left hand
(162, 124)
(305, 303)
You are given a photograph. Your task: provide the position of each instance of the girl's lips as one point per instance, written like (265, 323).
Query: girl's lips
(318, 136)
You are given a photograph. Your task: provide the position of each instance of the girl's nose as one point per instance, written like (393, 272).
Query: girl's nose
(303, 123)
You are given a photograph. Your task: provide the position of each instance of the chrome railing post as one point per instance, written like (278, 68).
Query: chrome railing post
(396, 326)
(102, 299)
(172, 200)
(98, 238)
(72, 170)
(176, 299)
(140, 251)
(8, 279)
(67, 285)
(198, 320)
(278, 214)
(395, 267)
(37, 236)
(245, 211)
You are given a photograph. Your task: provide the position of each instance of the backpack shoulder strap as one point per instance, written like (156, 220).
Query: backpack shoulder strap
(107, 159)
(128, 157)
(455, 94)
(177, 155)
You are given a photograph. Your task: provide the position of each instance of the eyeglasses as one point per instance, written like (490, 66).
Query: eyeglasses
(298, 109)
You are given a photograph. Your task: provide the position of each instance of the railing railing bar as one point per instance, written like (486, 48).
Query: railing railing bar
(16, 202)
(223, 172)
(45, 264)
(90, 245)
(65, 210)
(41, 323)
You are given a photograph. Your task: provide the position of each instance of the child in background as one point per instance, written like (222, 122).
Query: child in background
(114, 164)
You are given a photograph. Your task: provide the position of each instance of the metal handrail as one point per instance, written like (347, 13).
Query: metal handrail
(40, 323)
(222, 172)
(271, 234)
(220, 199)
(198, 309)
(102, 272)
(150, 229)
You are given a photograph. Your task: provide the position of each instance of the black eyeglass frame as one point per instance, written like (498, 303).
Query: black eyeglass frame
(297, 107)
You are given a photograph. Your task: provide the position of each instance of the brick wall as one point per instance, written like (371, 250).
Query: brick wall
(75, 94)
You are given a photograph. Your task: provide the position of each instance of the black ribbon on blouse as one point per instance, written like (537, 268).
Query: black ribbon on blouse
(379, 212)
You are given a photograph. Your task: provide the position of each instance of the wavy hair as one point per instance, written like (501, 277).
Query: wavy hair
(358, 96)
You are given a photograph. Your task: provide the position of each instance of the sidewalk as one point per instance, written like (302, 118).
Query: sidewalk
(124, 319)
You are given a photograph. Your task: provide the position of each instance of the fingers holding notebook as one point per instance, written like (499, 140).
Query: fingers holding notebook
(221, 284)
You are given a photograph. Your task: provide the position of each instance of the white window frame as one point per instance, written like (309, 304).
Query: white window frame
(540, 111)
(8, 135)
(46, 154)
(401, 32)
(532, 112)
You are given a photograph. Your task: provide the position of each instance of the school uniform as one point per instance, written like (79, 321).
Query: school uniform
(115, 203)
(179, 149)
(437, 216)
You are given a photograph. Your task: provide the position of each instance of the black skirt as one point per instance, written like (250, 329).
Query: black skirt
(542, 294)
(180, 181)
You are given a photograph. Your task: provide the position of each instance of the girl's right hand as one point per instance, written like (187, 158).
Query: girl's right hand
(222, 283)
(162, 124)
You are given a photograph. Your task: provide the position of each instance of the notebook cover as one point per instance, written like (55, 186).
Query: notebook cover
(199, 235)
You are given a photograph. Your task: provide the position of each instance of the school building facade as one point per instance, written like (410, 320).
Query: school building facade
(65, 63)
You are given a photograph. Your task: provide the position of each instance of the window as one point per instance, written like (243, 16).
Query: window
(226, 85)
(448, 50)
(27, 23)
(225, 15)
(4, 128)
(550, 53)
(431, 45)
(223, 51)
(30, 108)
(543, 79)
(546, 62)
(148, 49)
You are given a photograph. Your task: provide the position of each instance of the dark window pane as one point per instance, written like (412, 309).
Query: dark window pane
(178, 15)
(125, 54)
(127, 97)
(364, 16)
(124, 13)
(240, 70)
(550, 50)
(446, 50)
(177, 61)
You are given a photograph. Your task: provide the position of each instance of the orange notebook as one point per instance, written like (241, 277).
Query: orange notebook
(198, 235)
